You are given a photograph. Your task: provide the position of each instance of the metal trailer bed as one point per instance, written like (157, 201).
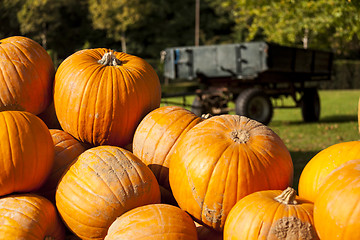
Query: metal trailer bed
(250, 74)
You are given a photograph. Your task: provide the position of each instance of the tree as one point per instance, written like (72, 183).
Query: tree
(39, 17)
(116, 17)
(324, 24)
(9, 23)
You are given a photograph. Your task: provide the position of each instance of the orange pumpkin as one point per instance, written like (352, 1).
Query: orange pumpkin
(102, 184)
(101, 96)
(28, 216)
(67, 149)
(223, 159)
(336, 208)
(26, 75)
(322, 164)
(26, 150)
(271, 214)
(153, 222)
(156, 136)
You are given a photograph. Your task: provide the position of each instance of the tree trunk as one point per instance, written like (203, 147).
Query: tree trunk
(123, 42)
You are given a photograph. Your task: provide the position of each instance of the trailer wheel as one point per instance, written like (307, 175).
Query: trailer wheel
(310, 105)
(255, 104)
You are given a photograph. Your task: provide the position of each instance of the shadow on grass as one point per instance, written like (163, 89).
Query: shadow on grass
(339, 118)
(326, 119)
(300, 159)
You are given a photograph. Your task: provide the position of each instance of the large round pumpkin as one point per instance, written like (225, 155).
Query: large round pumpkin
(102, 184)
(26, 152)
(156, 136)
(271, 214)
(223, 159)
(26, 75)
(101, 96)
(153, 222)
(30, 217)
(322, 164)
(67, 149)
(336, 208)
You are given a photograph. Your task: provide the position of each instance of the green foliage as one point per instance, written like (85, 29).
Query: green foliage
(324, 24)
(145, 27)
(38, 18)
(8, 18)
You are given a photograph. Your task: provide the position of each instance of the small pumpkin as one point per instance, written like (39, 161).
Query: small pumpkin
(103, 183)
(67, 149)
(336, 208)
(152, 222)
(26, 75)
(29, 216)
(114, 91)
(26, 150)
(223, 159)
(156, 136)
(271, 214)
(322, 164)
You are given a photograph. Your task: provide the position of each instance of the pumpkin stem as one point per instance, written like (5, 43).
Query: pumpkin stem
(240, 136)
(109, 59)
(287, 196)
(206, 116)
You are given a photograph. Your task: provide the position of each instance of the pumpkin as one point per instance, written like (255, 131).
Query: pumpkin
(336, 208)
(156, 136)
(324, 162)
(100, 96)
(271, 214)
(26, 75)
(67, 149)
(153, 222)
(103, 183)
(223, 159)
(29, 216)
(26, 150)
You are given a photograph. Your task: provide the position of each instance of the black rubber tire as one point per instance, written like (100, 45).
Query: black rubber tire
(310, 105)
(197, 107)
(255, 104)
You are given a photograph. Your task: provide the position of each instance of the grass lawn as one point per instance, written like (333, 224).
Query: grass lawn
(338, 123)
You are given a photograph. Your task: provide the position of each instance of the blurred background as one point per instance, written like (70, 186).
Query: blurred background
(145, 27)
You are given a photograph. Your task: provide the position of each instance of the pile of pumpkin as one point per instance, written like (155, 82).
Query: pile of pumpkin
(87, 153)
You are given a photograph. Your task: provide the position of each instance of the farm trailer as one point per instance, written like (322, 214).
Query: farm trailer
(251, 75)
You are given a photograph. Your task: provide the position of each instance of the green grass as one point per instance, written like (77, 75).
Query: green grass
(338, 123)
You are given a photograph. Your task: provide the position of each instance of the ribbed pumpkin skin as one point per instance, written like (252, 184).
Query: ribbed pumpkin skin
(26, 75)
(223, 159)
(30, 217)
(67, 149)
(336, 208)
(153, 222)
(102, 184)
(156, 136)
(102, 105)
(260, 216)
(26, 150)
(322, 164)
